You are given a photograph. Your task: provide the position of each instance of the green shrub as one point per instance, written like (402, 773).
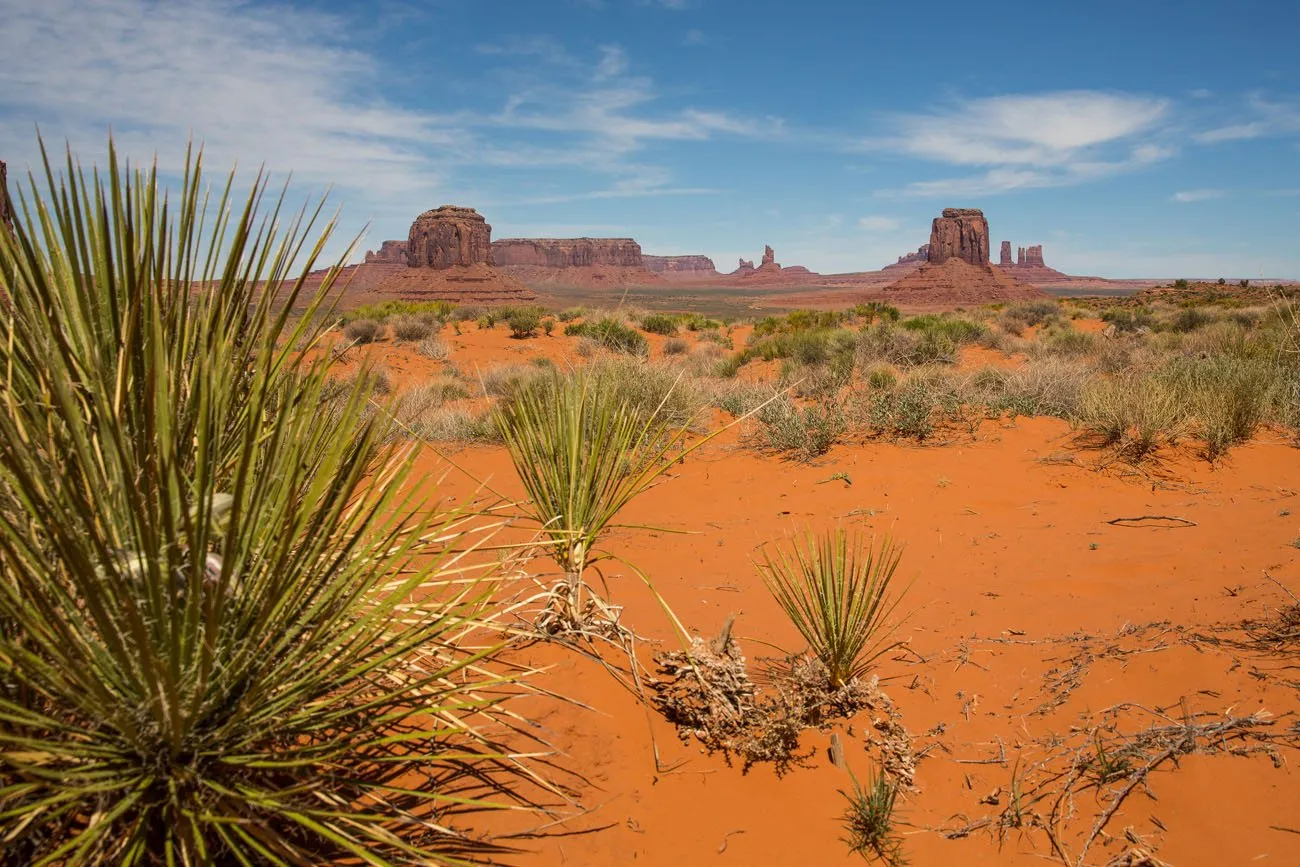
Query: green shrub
(571, 314)
(800, 432)
(1227, 397)
(659, 323)
(361, 331)
(1189, 319)
(873, 310)
(548, 326)
(869, 820)
(1128, 318)
(225, 625)
(1067, 341)
(1136, 413)
(956, 329)
(524, 322)
(434, 311)
(612, 334)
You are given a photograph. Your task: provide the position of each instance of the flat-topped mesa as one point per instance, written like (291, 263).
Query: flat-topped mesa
(1034, 255)
(1005, 258)
(568, 252)
(679, 264)
(961, 233)
(447, 237)
(389, 253)
(921, 255)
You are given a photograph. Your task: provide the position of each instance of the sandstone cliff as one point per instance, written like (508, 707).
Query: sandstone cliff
(922, 254)
(1005, 258)
(389, 253)
(961, 233)
(679, 264)
(449, 236)
(568, 252)
(1029, 265)
(957, 282)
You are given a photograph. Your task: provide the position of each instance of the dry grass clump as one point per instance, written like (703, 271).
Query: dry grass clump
(434, 347)
(361, 331)
(708, 693)
(507, 380)
(1134, 413)
(675, 346)
(408, 329)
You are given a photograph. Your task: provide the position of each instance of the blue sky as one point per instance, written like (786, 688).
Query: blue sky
(1135, 138)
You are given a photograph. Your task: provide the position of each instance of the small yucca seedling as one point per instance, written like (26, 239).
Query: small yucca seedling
(836, 591)
(869, 820)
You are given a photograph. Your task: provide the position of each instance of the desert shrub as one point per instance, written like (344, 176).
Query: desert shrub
(434, 347)
(957, 330)
(488, 320)
(571, 314)
(1135, 413)
(1189, 319)
(698, 322)
(873, 310)
(524, 322)
(1028, 313)
(740, 398)
(455, 425)
(881, 376)
(433, 311)
(468, 313)
(910, 410)
(361, 331)
(659, 323)
(506, 380)
(905, 348)
(717, 337)
(1181, 284)
(409, 328)
(221, 634)
(803, 433)
(1049, 387)
(675, 346)
(548, 326)
(429, 395)
(1129, 318)
(612, 334)
(730, 366)
(1227, 397)
(836, 591)
(1067, 341)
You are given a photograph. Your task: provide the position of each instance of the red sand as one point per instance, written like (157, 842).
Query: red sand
(1009, 551)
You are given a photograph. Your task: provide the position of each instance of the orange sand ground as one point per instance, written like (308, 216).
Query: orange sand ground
(1009, 553)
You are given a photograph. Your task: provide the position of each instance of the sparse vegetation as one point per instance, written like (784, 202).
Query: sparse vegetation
(869, 820)
(361, 331)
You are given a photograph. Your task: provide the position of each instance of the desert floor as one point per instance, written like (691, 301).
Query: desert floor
(1038, 625)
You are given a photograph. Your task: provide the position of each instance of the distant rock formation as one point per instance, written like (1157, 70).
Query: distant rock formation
(679, 264)
(6, 216)
(1029, 265)
(449, 236)
(961, 233)
(389, 253)
(745, 266)
(922, 254)
(957, 282)
(769, 257)
(568, 252)
(448, 258)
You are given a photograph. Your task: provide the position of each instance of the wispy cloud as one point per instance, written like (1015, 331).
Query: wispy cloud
(879, 224)
(1261, 117)
(1186, 196)
(1030, 140)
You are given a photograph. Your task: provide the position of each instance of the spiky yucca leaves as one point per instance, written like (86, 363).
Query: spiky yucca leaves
(836, 591)
(583, 453)
(869, 820)
(218, 644)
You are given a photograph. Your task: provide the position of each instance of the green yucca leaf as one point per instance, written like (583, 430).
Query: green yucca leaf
(225, 635)
(836, 591)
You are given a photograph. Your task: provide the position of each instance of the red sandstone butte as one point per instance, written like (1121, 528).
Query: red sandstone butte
(961, 233)
(389, 253)
(957, 282)
(911, 260)
(449, 236)
(1005, 258)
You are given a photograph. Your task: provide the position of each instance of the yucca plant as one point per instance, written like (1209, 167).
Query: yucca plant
(225, 635)
(836, 591)
(869, 820)
(583, 453)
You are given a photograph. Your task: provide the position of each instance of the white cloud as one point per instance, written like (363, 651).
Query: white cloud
(613, 62)
(879, 224)
(1197, 195)
(1031, 140)
(1232, 132)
